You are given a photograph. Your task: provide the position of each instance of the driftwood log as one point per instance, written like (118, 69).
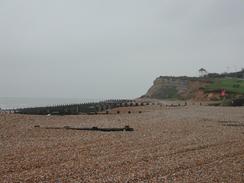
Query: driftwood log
(126, 128)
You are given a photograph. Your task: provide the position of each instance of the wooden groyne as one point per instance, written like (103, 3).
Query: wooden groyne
(73, 109)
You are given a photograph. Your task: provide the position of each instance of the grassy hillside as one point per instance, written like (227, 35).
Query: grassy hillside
(230, 85)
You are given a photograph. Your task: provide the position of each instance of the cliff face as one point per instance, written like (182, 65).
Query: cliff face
(174, 88)
(208, 87)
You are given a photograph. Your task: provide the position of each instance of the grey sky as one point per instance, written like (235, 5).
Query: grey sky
(113, 48)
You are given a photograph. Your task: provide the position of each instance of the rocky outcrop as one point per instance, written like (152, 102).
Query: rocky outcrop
(207, 87)
(165, 87)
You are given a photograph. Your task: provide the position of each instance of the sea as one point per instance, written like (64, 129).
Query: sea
(22, 102)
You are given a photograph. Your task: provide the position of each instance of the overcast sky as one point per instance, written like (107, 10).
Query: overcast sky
(113, 48)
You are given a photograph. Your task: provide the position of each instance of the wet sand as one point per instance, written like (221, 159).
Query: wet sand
(174, 144)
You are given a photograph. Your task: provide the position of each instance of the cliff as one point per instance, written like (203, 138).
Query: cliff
(203, 88)
(208, 87)
(165, 87)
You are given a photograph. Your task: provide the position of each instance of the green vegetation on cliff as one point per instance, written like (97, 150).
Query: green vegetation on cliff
(229, 85)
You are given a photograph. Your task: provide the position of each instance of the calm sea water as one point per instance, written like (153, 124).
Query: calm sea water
(14, 102)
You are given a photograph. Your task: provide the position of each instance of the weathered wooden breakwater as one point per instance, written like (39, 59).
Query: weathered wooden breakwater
(73, 109)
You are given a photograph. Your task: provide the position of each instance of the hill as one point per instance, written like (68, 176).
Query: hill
(208, 87)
